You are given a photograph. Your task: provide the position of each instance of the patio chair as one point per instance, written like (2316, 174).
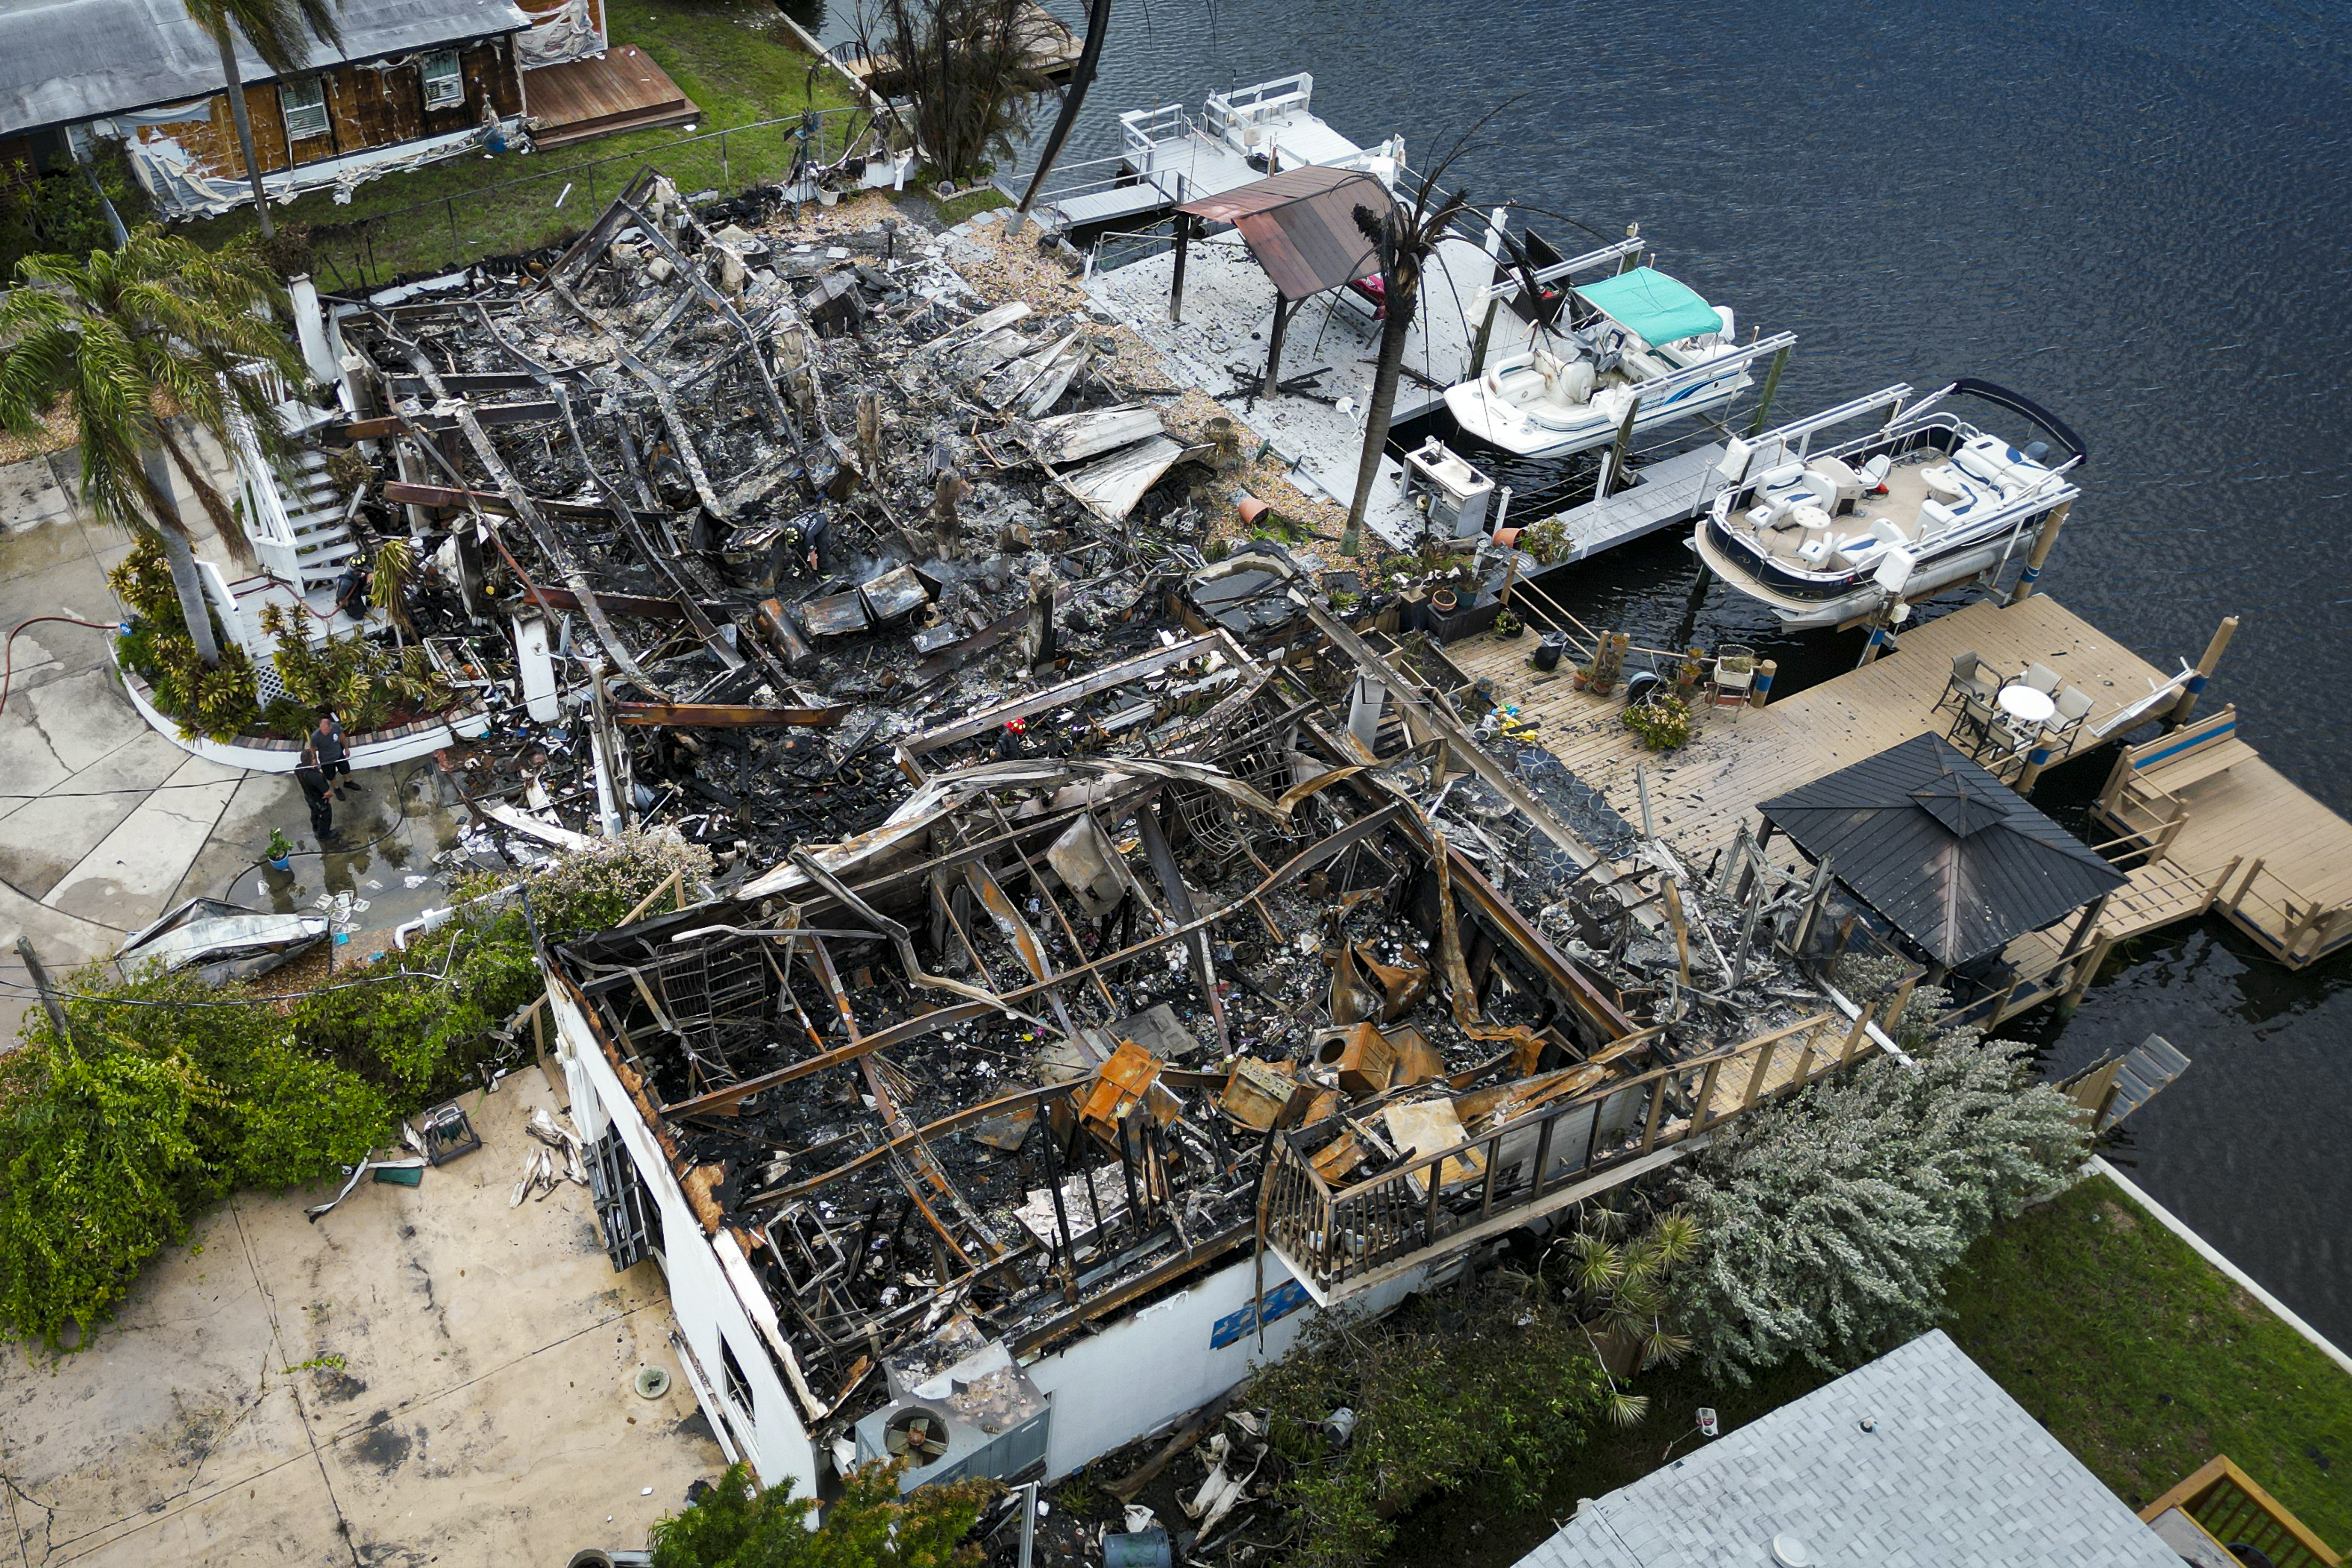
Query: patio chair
(2074, 705)
(2040, 677)
(1734, 679)
(1974, 722)
(1968, 679)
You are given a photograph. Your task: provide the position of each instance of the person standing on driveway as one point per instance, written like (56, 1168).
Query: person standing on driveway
(334, 754)
(312, 778)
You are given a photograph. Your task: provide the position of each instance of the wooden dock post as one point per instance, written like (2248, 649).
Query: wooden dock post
(1176, 285)
(2086, 969)
(2043, 537)
(1764, 398)
(1761, 692)
(1273, 348)
(2035, 761)
(2189, 693)
(1494, 223)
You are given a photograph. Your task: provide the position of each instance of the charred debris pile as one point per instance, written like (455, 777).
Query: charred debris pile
(721, 515)
(1012, 1064)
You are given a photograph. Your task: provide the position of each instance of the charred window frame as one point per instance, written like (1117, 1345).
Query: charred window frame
(624, 1208)
(304, 104)
(739, 1386)
(445, 82)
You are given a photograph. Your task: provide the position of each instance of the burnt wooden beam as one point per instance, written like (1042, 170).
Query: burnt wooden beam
(726, 715)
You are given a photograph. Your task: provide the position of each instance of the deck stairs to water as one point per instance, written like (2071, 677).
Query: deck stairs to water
(2114, 1087)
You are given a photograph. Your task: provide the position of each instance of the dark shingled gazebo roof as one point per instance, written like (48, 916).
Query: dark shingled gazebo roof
(1957, 860)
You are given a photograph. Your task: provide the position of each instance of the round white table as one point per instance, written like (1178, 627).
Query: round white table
(2027, 705)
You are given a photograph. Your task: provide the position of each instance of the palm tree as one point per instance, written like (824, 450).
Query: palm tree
(281, 32)
(133, 336)
(1402, 237)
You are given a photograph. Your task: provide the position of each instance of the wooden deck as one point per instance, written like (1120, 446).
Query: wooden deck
(621, 89)
(2241, 841)
(2271, 860)
(1700, 795)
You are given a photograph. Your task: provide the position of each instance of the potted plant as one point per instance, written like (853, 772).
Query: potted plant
(1686, 673)
(1507, 624)
(1442, 601)
(281, 851)
(1580, 676)
(1664, 723)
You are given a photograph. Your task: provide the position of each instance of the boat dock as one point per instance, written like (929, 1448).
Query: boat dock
(2209, 842)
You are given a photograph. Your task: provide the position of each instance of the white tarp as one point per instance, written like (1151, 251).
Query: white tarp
(567, 33)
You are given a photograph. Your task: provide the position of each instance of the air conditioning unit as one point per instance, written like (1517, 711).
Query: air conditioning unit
(959, 1408)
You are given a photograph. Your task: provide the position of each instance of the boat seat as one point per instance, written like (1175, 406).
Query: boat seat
(1875, 472)
(1904, 532)
(1861, 549)
(1840, 483)
(1814, 553)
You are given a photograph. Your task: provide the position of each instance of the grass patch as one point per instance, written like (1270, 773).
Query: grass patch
(734, 58)
(2139, 1356)
(955, 209)
(2146, 1360)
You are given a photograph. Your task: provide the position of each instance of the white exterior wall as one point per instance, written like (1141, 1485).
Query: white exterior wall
(1144, 1371)
(707, 1307)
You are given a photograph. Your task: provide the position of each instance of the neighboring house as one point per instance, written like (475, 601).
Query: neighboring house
(415, 80)
(1918, 1459)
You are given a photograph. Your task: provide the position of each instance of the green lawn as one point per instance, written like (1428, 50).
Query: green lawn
(2137, 1354)
(2146, 1361)
(733, 58)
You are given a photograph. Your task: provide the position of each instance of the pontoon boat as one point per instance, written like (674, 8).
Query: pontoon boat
(1811, 532)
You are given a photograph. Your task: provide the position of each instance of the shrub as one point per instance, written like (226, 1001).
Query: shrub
(1546, 541)
(219, 703)
(1831, 1219)
(1489, 1394)
(1664, 723)
(736, 1524)
(169, 1094)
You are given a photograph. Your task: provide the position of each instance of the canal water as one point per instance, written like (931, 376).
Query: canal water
(2136, 214)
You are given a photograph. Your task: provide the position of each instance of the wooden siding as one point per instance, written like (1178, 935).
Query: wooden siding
(366, 108)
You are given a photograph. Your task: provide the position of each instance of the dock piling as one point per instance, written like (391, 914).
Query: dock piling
(1764, 398)
(2196, 687)
(2043, 537)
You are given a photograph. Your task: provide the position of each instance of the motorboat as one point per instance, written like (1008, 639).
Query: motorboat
(1638, 340)
(1826, 536)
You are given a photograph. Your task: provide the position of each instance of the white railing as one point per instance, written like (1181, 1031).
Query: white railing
(1230, 114)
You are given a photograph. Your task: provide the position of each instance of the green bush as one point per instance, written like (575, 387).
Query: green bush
(169, 1094)
(1486, 1395)
(219, 703)
(1833, 1219)
(737, 1524)
(420, 1038)
(59, 213)
(1662, 722)
(172, 1092)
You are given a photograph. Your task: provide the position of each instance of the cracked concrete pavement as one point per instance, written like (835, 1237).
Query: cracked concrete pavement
(106, 824)
(425, 1375)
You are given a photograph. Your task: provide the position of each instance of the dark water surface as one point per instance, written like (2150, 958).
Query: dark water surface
(2136, 215)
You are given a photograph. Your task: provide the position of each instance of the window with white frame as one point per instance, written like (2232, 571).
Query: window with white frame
(305, 106)
(444, 85)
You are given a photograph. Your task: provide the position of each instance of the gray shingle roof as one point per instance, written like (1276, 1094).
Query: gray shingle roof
(64, 61)
(1954, 1474)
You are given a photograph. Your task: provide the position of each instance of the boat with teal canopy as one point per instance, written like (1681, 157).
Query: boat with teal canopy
(1652, 306)
(1633, 348)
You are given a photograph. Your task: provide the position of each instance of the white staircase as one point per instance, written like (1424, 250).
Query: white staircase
(316, 541)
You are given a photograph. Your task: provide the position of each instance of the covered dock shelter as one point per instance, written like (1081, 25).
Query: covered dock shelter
(1955, 860)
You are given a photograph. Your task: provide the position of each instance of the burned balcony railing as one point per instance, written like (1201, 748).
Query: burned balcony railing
(1340, 1242)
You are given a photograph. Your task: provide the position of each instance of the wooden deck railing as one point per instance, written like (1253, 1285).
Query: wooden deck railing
(1340, 1241)
(2227, 1504)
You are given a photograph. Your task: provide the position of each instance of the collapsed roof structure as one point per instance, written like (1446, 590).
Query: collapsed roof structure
(1117, 954)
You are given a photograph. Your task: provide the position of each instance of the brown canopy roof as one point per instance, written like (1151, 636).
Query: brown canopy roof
(1301, 225)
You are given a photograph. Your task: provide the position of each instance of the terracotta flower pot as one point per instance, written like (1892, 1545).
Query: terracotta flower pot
(1505, 538)
(1443, 601)
(1251, 509)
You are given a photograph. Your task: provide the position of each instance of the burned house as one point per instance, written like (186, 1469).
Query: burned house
(1116, 957)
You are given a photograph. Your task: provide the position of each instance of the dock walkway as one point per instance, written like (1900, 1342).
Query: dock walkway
(2221, 843)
